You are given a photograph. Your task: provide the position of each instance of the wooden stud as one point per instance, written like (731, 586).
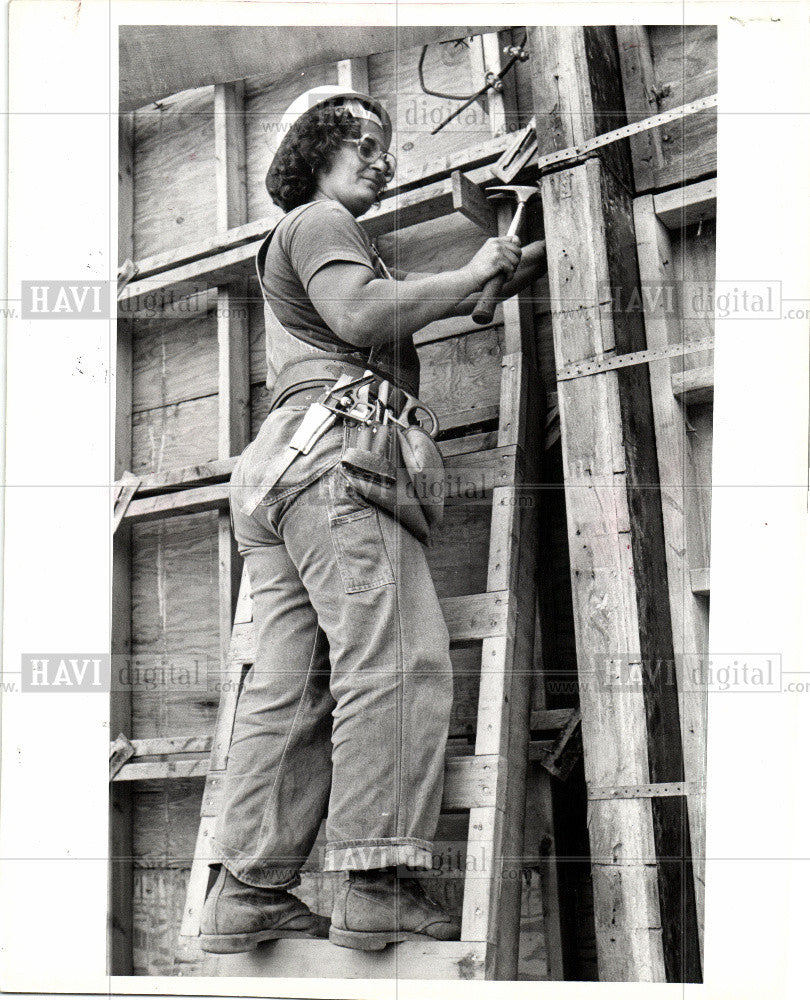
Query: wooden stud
(640, 88)
(499, 103)
(234, 370)
(353, 74)
(229, 142)
(119, 955)
(678, 480)
(492, 906)
(126, 187)
(233, 336)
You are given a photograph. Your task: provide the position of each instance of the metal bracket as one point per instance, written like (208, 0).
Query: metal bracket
(663, 789)
(595, 366)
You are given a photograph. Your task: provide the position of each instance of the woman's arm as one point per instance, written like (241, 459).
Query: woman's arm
(364, 310)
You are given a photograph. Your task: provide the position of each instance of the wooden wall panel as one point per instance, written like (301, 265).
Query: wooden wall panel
(174, 360)
(167, 815)
(174, 172)
(160, 895)
(175, 620)
(685, 59)
(173, 436)
(438, 245)
(458, 373)
(466, 658)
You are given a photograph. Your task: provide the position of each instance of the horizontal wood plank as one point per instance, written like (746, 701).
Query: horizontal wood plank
(695, 385)
(298, 959)
(469, 781)
(684, 206)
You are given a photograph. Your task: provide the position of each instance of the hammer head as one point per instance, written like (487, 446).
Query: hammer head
(522, 192)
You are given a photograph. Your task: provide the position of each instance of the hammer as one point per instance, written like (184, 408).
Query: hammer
(485, 307)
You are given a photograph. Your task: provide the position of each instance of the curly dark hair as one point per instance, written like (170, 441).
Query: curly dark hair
(308, 147)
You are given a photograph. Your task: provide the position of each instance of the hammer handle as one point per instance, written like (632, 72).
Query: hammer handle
(485, 306)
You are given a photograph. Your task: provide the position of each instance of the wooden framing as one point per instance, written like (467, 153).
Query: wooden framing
(119, 938)
(686, 549)
(119, 952)
(638, 74)
(645, 919)
(232, 335)
(652, 83)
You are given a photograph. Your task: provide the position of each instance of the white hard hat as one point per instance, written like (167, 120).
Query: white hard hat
(359, 105)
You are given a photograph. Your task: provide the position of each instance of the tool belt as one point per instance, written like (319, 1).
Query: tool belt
(388, 456)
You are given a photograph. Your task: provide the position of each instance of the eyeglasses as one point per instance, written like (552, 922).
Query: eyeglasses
(370, 149)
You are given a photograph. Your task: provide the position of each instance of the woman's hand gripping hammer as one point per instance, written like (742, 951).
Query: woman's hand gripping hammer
(485, 307)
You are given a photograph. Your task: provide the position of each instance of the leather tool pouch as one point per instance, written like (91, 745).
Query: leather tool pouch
(394, 469)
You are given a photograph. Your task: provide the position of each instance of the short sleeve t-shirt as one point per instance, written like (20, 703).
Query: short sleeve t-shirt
(320, 233)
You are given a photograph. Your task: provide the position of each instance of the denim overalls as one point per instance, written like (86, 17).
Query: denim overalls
(348, 701)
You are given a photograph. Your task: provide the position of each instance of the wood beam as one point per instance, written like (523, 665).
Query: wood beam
(120, 926)
(233, 337)
(684, 206)
(645, 908)
(681, 512)
(640, 88)
(504, 705)
(126, 187)
(695, 385)
(353, 74)
(229, 144)
(469, 476)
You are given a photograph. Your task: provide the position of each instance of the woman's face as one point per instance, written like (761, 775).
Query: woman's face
(349, 180)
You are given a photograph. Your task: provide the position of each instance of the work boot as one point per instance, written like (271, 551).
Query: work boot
(236, 916)
(374, 908)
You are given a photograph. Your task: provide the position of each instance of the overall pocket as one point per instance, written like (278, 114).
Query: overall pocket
(360, 550)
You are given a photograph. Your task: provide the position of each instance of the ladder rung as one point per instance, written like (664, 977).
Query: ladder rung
(469, 782)
(473, 616)
(408, 960)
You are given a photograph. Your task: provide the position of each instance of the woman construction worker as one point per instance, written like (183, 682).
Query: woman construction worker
(345, 711)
